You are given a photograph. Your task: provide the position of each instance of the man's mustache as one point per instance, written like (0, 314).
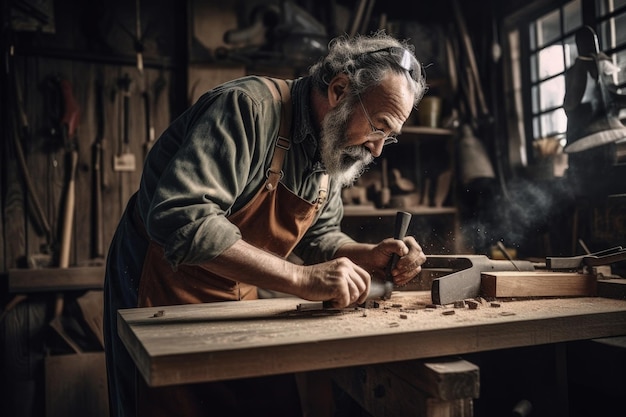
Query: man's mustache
(358, 153)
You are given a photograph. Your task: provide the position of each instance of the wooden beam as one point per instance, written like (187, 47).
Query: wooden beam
(612, 288)
(55, 279)
(443, 387)
(447, 378)
(537, 284)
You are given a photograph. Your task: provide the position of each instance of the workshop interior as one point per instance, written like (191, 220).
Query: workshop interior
(510, 173)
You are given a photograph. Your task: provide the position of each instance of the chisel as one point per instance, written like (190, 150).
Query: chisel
(383, 289)
(399, 232)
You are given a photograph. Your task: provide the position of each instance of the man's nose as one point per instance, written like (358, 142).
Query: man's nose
(375, 147)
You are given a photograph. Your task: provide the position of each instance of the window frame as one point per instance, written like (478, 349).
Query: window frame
(520, 52)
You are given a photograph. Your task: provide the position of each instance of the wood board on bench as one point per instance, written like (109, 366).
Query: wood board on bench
(537, 284)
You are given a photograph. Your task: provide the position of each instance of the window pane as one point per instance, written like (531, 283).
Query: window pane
(553, 123)
(607, 6)
(534, 93)
(613, 32)
(532, 31)
(548, 28)
(534, 76)
(572, 16)
(551, 61)
(620, 61)
(571, 50)
(536, 128)
(620, 29)
(551, 93)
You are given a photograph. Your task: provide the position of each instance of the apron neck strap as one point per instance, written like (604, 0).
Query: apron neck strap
(280, 91)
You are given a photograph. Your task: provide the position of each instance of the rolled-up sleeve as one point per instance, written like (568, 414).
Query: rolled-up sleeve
(206, 165)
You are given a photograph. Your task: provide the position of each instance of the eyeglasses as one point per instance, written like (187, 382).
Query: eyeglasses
(376, 134)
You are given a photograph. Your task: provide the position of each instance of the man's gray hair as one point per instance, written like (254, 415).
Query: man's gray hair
(366, 60)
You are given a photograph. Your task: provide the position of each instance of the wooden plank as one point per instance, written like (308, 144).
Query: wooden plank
(207, 342)
(55, 279)
(537, 284)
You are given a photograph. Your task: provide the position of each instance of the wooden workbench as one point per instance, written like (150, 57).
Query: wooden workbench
(208, 342)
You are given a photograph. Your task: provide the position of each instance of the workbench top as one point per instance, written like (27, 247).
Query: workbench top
(207, 342)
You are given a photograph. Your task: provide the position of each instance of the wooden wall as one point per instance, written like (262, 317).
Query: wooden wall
(89, 47)
(47, 164)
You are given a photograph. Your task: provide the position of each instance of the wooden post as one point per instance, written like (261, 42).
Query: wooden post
(442, 387)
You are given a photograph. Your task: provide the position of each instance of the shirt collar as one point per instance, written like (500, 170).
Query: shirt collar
(303, 113)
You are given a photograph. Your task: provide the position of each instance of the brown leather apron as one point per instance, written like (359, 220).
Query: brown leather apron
(274, 220)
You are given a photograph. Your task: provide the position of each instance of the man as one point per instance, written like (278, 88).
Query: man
(225, 198)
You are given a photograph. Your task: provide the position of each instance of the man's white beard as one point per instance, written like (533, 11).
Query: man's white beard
(345, 164)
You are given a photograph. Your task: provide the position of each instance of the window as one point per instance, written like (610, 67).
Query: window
(551, 52)
(611, 31)
(547, 48)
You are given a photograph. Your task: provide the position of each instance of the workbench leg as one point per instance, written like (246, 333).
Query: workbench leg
(442, 387)
(316, 393)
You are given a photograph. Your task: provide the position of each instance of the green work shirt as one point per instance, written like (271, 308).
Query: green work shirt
(212, 160)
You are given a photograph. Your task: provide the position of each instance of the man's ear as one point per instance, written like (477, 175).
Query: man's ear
(337, 88)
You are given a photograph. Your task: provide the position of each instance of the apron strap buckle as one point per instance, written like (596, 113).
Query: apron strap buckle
(273, 178)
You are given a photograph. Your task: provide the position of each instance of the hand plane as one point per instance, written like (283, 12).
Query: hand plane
(460, 275)
(604, 257)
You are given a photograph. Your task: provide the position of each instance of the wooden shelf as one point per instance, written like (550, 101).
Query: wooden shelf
(56, 279)
(426, 131)
(436, 228)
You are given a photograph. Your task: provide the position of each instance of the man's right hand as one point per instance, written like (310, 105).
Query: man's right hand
(340, 282)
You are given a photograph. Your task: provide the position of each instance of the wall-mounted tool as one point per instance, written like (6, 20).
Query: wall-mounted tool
(138, 36)
(473, 75)
(150, 132)
(98, 179)
(125, 160)
(69, 124)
